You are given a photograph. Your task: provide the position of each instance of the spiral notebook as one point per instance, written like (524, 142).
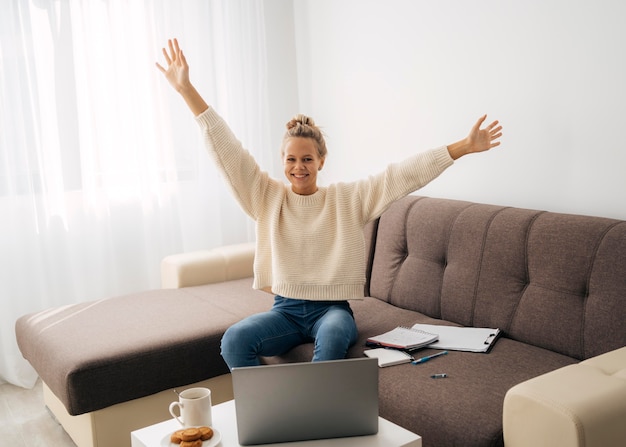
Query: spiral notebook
(403, 337)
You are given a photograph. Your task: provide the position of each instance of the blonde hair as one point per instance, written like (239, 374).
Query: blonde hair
(303, 126)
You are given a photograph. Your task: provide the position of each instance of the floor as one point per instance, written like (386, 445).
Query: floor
(26, 422)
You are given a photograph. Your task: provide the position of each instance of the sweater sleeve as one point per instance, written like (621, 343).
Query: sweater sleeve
(379, 191)
(237, 166)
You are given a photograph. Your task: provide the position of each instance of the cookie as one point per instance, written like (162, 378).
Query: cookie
(190, 434)
(196, 443)
(206, 433)
(176, 437)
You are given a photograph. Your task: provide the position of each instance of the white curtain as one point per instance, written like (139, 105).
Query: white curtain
(102, 169)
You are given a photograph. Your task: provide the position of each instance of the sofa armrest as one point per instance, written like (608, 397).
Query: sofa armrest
(575, 406)
(207, 266)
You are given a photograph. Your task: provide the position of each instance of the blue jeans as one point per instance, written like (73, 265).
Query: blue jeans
(291, 322)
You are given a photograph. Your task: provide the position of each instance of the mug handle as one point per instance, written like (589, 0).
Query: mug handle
(180, 408)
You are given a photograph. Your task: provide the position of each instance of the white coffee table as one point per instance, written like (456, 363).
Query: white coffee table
(389, 434)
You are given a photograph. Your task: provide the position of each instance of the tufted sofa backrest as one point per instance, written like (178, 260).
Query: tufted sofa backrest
(556, 281)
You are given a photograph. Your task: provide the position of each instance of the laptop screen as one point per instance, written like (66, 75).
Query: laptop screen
(304, 401)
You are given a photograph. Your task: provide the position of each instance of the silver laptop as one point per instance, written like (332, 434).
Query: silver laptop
(304, 401)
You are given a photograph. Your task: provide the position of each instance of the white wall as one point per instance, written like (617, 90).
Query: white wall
(390, 78)
(282, 75)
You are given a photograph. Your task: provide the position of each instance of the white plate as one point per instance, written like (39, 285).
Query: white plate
(215, 440)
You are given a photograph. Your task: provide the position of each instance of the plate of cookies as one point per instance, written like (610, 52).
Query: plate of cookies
(193, 437)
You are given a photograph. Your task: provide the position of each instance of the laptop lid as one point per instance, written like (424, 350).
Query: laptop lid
(304, 401)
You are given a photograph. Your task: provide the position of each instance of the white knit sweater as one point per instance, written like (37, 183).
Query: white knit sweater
(312, 247)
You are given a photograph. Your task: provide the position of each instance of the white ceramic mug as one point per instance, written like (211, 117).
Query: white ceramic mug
(194, 405)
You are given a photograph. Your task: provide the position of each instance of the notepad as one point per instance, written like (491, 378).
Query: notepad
(403, 338)
(456, 338)
(389, 357)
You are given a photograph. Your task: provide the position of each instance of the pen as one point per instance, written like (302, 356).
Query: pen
(427, 358)
(439, 376)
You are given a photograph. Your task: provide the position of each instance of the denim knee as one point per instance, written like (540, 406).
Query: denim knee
(335, 336)
(236, 350)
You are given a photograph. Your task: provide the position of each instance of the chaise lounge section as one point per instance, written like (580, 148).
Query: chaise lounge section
(555, 284)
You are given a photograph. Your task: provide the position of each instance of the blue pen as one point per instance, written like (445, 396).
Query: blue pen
(427, 358)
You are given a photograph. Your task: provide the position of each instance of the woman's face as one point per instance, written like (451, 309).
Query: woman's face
(301, 163)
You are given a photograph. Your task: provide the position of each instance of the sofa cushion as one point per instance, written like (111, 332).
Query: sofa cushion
(466, 407)
(160, 339)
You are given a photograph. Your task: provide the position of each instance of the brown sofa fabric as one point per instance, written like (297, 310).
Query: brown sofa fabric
(547, 279)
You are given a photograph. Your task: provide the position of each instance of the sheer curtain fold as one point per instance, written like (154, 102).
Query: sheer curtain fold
(102, 169)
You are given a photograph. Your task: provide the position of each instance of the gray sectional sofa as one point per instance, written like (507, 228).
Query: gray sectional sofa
(555, 284)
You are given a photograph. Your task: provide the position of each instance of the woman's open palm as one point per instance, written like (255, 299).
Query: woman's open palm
(177, 72)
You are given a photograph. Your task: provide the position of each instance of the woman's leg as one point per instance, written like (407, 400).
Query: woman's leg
(265, 334)
(290, 323)
(334, 332)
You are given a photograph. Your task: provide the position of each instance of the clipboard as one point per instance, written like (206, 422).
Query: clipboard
(459, 338)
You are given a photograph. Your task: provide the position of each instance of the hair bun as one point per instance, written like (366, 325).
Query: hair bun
(302, 120)
(302, 126)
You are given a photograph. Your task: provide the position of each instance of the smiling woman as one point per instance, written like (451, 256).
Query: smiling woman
(303, 152)
(94, 188)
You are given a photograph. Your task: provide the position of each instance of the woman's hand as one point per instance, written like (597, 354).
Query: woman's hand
(177, 74)
(478, 140)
